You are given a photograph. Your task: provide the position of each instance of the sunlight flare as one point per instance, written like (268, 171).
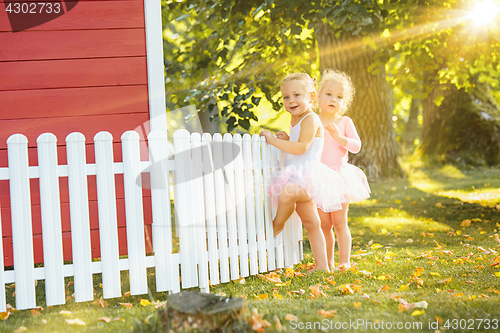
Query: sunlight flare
(484, 12)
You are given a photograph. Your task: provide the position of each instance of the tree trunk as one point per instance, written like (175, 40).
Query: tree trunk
(371, 109)
(464, 128)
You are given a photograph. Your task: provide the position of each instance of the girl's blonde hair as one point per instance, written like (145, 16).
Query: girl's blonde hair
(342, 78)
(309, 83)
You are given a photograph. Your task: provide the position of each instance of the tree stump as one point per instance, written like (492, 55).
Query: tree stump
(198, 312)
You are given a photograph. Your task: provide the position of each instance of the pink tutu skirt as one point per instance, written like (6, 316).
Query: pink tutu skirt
(328, 187)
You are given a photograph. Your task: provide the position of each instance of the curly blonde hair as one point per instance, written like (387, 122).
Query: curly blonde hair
(309, 83)
(344, 79)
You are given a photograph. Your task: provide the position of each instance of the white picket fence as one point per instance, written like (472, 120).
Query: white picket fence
(223, 214)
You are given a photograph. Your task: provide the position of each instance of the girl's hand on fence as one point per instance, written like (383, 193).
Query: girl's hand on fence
(268, 135)
(282, 135)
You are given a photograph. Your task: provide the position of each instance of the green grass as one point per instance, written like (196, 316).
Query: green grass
(407, 223)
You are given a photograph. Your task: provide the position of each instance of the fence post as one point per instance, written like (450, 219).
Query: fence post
(240, 198)
(266, 165)
(134, 213)
(167, 279)
(249, 203)
(108, 225)
(199, 211)
(210, 211)
(50, 203)
(220, 206)
(22, 232)
(230, 206)
(183, 207)
(259, 202)
(79, 214)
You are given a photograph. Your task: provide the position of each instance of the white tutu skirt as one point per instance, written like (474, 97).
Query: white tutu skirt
(329, 188)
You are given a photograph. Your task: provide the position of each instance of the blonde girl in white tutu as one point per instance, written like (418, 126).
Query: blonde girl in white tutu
(304, 184)
(336, 92)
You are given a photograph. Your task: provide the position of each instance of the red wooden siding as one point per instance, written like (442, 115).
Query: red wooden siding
(84, 71)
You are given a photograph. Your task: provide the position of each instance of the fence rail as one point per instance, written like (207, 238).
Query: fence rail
(222, 214)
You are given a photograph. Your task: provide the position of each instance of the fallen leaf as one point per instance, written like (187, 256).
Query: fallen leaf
(127, 294)
(4, 315)
(465, 223)
(101, 303)
(105, 319)
(417, 313)
(497, 274)
(145, 302)
(446, 280)
(327, 314)
(75, 321)
(383, 288)
(290, 317)
(126, 305)
(357, 304)
(284, 284)
(35, 312)
(278, 323)
(65, 313)
(20, 329)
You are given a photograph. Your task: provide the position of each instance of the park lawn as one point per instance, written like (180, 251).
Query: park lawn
(432, 237)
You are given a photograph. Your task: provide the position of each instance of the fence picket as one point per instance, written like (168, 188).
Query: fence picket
(240, 194)
(231, 206)
(51, 219)
(3, 303)
(198, 207)
(166, 276)
(134, 212)
(108, 223)
(79, 215)
(279, 240)
(22, 234)
(259, 202)
(182, 184)
(249, 203)
(266, 170)
(210, 211)
(220, 206)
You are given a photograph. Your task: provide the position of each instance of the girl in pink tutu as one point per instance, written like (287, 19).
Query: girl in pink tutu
(305, 183)
(336, 92)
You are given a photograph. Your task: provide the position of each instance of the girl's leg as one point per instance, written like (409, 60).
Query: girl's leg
(326, 227)
(308, 213)
(290, 194)
(344, 240)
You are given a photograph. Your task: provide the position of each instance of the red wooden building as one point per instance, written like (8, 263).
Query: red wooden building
(97, 67)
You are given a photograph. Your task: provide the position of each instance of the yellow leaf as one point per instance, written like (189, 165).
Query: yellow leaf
(263, 296)
(20, 329)
(458, 294)
(497, 274)
(465, 223)
(357, 304)
(145, 302)
(127, 294)
(4, 315)
(459, 232)
(101, 303)
(417, 312)
(435, 274)
(376, 246)
(290, 317)
(65, 313)
(403, 287)
(284, 283)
